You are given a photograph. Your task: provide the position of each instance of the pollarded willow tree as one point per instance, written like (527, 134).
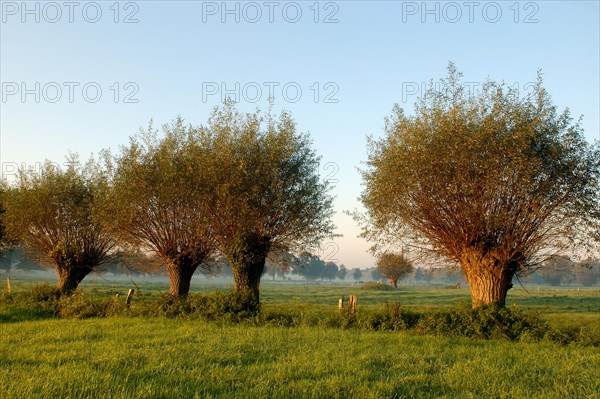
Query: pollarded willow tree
(160, 200)
(268, 196)
(489, 180)
(393, 265)
(55, 212)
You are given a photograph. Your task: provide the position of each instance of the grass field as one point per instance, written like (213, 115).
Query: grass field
(133, 357)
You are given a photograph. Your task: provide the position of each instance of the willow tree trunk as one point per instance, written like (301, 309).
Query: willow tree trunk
(246, 277)
(393, 282)
(489, 280)
(70, 277)
(247, 254)
(180, 278)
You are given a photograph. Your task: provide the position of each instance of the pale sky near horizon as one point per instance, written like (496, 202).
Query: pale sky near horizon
(83, 76)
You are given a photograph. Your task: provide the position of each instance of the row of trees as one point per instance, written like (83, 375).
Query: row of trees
(560, 270)
(244, 187)
(489, 181)
(556, 271)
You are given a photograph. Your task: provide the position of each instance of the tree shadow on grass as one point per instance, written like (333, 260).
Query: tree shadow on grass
(16, 314)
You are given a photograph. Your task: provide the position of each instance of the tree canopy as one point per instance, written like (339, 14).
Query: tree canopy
(491, 181)
(160, 200)
(393, 266)
(268, 197)
(55, 212)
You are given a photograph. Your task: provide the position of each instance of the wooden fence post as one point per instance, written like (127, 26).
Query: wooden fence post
(352, 304)
(129, 295)
(8, 287)
(341, 305)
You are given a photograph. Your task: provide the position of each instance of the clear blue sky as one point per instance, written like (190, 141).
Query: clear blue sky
(369, 56)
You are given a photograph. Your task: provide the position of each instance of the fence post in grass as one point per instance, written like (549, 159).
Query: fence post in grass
(129, 296)
(341, 305)
(8, 288)
(352, 303)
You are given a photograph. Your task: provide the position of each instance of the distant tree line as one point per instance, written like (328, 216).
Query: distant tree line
(557, 271)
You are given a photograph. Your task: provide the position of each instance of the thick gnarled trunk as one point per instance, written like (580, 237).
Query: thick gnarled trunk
(180, 278)
(69, 278)
(489, 280)
(247, 254)
(393, 283)
(246, 277)
(489, 288)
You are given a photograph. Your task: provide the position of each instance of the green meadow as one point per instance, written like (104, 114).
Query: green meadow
(44, 356)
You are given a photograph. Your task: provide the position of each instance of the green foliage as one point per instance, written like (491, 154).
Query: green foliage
(392, 318)
(67, 254)
(488, 180)
(223, 306)
(55, 212)
(219, 305)
(266, 181)
(49, 300)
(243, 186)
(485, 322)
(160, 198)
(43, 293)
(375, 286)
(508, 154)
(393, 266)
(81, 307)
(266, 193)
(244, 249)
